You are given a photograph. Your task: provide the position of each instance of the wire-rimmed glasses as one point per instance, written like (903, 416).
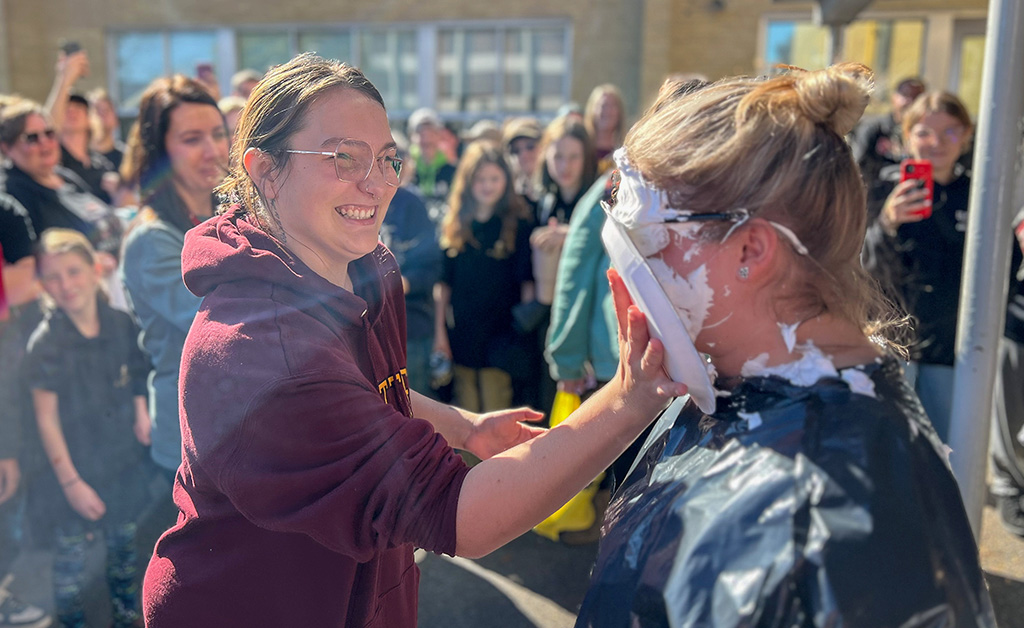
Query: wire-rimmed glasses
(353, 161)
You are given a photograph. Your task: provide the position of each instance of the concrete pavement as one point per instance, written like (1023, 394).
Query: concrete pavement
(530, 583)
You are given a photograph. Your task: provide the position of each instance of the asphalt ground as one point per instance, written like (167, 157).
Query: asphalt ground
(530, 583)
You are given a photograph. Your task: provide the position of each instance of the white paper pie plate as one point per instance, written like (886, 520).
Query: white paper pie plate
(683, 362)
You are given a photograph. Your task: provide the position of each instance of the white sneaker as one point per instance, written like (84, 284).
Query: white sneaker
(17, 614)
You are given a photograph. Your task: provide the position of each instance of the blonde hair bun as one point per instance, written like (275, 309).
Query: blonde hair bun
(834, 97)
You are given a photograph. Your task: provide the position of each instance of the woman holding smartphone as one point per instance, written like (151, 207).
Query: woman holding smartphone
(915, 245)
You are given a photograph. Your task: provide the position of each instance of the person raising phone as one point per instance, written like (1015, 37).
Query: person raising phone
(918, 254)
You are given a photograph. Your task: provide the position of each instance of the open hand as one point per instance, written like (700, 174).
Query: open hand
(494, 432)
(641, 377)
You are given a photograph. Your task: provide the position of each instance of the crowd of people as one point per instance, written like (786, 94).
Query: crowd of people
(271, 306)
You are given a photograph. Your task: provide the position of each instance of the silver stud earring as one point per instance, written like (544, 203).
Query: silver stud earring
(744, 272)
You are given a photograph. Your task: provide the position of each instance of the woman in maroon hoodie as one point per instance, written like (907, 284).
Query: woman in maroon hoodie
(310, 471)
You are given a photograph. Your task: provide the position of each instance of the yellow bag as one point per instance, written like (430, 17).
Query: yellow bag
(579, 513)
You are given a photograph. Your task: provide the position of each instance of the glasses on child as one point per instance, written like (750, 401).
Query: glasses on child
(353, 161)
(36, 136)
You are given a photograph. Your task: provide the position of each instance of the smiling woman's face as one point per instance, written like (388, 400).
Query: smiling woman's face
(197, 145)
(327, 222)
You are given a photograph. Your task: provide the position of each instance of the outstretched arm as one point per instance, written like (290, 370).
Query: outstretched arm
(506, 495)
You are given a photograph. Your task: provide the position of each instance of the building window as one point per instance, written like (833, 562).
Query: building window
(388, 58)
(894, 49)
(464, 71)
(513, 70)
(142, 57)
(259, 50)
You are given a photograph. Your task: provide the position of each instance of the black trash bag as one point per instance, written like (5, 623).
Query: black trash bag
(791, 506)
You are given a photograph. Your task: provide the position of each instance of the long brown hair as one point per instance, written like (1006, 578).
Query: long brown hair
(776, 148)
(275, 111)
(456, 228)
(146, 162)
(566, 126)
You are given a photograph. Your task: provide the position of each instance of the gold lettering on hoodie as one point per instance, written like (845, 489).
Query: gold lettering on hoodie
(385, 385)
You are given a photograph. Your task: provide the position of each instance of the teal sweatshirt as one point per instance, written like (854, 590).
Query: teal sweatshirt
(583, 327)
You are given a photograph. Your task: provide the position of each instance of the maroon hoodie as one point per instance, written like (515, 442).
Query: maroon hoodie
(305, 484)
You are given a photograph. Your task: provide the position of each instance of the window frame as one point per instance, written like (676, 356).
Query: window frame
(426, 41)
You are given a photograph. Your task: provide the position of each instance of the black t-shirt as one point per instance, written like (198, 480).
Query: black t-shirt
(16, 234)
(96, 381)
(92, 172)
(71, 206)
(115, 155)
(486, 281)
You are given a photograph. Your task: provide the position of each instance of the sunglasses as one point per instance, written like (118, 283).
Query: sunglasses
(34, 138)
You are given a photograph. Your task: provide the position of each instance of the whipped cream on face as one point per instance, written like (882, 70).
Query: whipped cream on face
(691, 296)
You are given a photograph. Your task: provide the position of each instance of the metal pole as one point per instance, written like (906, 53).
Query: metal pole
(987, 255)
(835, 51)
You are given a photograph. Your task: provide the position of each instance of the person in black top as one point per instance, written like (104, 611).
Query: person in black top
(88, 380)
(21, 290)
(877, 141)
(71, 118)
(485, 272)
(105, 126)
(53, 196)
(915, 244)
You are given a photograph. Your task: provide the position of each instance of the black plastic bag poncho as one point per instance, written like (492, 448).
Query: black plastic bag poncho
(791, 506)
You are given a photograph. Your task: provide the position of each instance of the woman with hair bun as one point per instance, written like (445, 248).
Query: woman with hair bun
(813, 490)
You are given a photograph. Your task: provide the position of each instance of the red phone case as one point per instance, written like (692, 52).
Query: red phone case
(920, 170)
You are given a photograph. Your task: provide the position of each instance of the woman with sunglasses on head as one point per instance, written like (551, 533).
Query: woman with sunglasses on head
(52, 195)
(809, 489)
(310, 470)
(177, 154)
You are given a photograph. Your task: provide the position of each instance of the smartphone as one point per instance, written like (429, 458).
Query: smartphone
(70, 47)
(919, 170)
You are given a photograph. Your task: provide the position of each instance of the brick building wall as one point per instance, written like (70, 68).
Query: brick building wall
(633, 43)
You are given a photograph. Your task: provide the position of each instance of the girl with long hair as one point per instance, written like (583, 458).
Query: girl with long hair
(486, 272)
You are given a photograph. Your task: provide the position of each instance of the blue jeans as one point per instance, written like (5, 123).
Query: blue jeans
(122, 573)
(933, 384)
